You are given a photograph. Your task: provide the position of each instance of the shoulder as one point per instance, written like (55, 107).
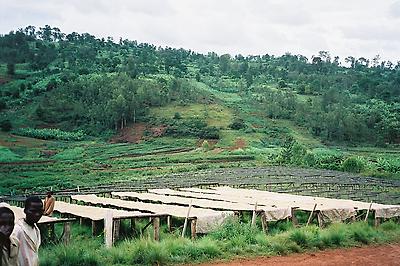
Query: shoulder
(14, 241)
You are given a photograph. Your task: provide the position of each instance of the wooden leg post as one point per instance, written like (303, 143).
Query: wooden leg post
(311, 215)
(294, 218)
(133, 226)
(254, 218)
(193, 225)
(369, 209)
(67, 233)
(377, 220)
(320, 220)
(117, 226)
(264, 223)
(156, 226)
(169, 225)
(186, 219)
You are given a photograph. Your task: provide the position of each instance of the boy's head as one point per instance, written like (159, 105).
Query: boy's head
(49, 194)
(33, 210)
(6, 222)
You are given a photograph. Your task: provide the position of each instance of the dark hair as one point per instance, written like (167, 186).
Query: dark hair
(6, 210)
(32, 199)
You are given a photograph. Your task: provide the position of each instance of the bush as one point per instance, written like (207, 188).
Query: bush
(177, 115)
(237, 124)
(192, 127)
(3, 105)
(50, 133)
(6, 125)
(353, 165)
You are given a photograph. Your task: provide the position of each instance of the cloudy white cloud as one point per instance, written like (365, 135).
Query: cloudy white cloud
(343, 27)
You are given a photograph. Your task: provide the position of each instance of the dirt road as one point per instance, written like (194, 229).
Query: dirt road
(365, 256)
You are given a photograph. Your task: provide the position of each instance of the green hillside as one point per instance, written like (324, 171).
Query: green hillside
(77, 110)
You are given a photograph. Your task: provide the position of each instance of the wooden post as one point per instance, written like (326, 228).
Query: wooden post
(108, 229)
(94, 227)
(80, 221)
(264, 223)
(253, 219)
(369, 208)
(67, 233)
(320, 221)
(133, 226)
(156, 227)
(169, 225)
(186, 219)
(311, 214)
(193, 225)
(117, 226)
(294, 218)
(377, 220)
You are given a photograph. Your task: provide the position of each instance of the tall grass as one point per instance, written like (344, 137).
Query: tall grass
(232, 239)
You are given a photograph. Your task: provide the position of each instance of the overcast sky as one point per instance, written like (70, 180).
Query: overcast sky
(342, 27)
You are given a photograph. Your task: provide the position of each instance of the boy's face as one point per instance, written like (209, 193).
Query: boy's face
(6, 225)
(33, 212)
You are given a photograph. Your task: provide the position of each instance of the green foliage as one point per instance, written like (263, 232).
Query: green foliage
(70, 154)
(353, 165)
(228, 241)
(5, 125)
(238, 124)
(50, 133)
(8, 156)
(194, 127)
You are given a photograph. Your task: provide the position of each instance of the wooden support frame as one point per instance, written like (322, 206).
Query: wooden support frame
(377, 221)
(133, 226)
(67, 233)
(295, 222)
(264, 223)
(116, 229)
(193, 226)
(156, 227)
(169, 223)
(311, 215)
(254, 217)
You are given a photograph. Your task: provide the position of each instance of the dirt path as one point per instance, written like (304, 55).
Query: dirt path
(365, 256)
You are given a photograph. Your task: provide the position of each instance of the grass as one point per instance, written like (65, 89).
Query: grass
(214, 114)
(230, 240)
(6, 155)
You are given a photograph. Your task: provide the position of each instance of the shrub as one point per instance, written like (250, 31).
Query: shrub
(177, 115)
(6, 125)
(237, 124)
(50, 133)
(353, 165)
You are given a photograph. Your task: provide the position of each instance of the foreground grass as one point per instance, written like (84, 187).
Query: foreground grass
(231, 240)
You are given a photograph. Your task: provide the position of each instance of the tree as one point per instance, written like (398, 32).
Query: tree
(11, 69)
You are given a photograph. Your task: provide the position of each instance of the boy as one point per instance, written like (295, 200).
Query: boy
(8, 244)
(49, 202)
(27, 233)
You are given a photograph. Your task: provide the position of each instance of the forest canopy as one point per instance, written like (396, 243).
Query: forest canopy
(78, 81)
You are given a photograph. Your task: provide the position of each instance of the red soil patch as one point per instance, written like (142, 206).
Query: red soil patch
(239, 144)
(365, 256)
(135, 133)
(158, 131)
(130, 134)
